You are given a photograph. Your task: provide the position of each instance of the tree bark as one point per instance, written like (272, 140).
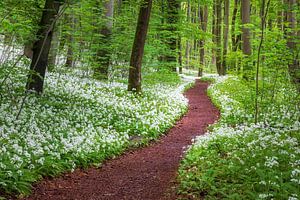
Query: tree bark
(180, 55)
(42, 46)
(226, 32)
(294, 65)
(214, 31)
(218, 37)
(134, 80)
(233, 35)
(246, 46)
(187, 49)
(172, 20)
(53, 50)
(70, 42)
(203, 23)
(103, 53)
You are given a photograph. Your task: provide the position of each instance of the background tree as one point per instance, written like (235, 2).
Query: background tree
(294, 64)
(203, 22)
(135, 78)
(42, 46)
(172, 23)
(225, 34)
(104, 53)
(246, 45)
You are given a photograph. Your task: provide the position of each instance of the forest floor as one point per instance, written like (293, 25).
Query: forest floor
(145, 173)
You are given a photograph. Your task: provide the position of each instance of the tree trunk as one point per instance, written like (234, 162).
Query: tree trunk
(214, 31)
(42, 46)
(70, 42)
(233, 35)
(180, 55)
(134, 80)
(53, 50)
(103, 53)
(246, 45)
(218, 37)
(28, 50)
(280, 17)
(187, 49)
(226, 32)
(172, 20)
(203, 23)
(294, 66)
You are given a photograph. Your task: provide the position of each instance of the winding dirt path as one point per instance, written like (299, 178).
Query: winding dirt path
(144, 174)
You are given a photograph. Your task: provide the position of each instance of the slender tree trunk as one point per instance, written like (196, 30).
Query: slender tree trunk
(280, 17)
(53, 50)
(42, 46)
(203, 21)
(246, 45)
(218, 37)
(233, 34)
(172, 20)
(134, 80)
(187, 49)
(70, 42)
(226, 32)
(180, 55)
(214, 31)
(103, 53)
(294, 66)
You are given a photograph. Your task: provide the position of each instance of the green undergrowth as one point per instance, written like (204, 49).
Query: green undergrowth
(77, 122)
(238, 159)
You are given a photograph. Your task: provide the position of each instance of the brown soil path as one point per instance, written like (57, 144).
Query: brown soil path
(143, 174)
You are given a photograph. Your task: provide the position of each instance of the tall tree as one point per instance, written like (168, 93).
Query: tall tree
(134, 80)
(214, 31)
(172, 23)
(203, 22)
(187, 49)
(225, 35)
(180, 55)
(53, 50)
(234, 37)
(245, 10)
(103, 53)
(246, 44)
(219, 37)
(42, 46)
(70, 41)
(294, 65)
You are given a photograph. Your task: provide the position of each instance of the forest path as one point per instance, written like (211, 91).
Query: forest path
(144, 174)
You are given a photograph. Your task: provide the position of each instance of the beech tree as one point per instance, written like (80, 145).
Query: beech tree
(294, 65)
(203, 22)
(172, 20)
(104, 53)
(135, 78)
(218, 35)
(225, 35)
(246, 45)
(42, 45)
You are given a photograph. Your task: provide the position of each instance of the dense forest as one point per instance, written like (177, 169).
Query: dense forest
(83, 81)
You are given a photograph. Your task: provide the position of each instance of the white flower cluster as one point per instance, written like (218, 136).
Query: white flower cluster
(77, 121)
(269, 150)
